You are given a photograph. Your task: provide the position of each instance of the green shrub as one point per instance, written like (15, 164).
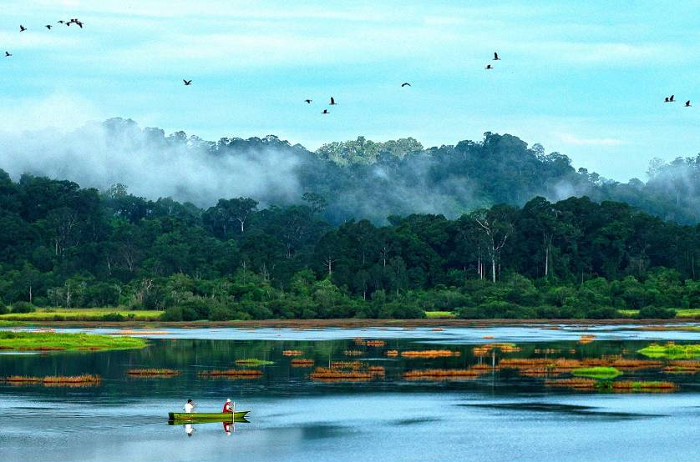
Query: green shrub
(4, 309)
(22, 307)
(113, 317)
(655, 312)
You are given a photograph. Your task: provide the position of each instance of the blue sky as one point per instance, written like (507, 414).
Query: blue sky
(583, 78)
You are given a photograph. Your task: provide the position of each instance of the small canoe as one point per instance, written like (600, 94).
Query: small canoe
(206, 417)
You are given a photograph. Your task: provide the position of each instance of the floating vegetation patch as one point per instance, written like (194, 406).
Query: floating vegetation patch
(597, 372)
(586, 339)
(376, 343)
(163, 373)
(300, 362)
(443, 374)
(377, 371)
(359, 341)
(635, 364)
(353, 353)
(253, 362)
(643, 386)
(50, 341)
(429, 354)
(292, 353)
(575, 383)
(392, 353)
(85, 380)
(484, 350)
(671, 351)
(682, 367)
(325, 374)
(232, 374)
(347, 364)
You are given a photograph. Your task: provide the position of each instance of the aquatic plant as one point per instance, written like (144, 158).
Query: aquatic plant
(328, 373)
(642, 386)
(671, 351)
(597, 372)
(55, 380)
(429, 354)
(300, 362)
(442, 374)
(292, 353)
(392, 353)
(586, 339)
(375, 343)
(253, 362)
(575, 383)
(232, 373)
(152, 372)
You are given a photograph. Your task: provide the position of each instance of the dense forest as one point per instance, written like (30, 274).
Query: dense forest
(357, 179)
(63, 245)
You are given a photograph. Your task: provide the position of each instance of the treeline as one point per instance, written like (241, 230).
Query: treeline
(61, 245)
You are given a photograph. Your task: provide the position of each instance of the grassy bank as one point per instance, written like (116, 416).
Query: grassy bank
(84, 314)
(49, 341)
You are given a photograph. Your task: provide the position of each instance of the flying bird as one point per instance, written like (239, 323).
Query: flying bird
(22, 28)
(325, 111)
(687, 104)
(61, 21)
(666, 100)
(671, 100)
(7, 54)
(48, 26)
(405, 84)
(308, 101)
(332, 101)
(495, 57)
(488, 67)
(187, 82)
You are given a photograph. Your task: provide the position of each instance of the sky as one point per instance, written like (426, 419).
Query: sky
(586, 79)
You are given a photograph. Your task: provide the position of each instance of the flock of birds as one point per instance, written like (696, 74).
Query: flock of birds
(76, 21)
(23, 28)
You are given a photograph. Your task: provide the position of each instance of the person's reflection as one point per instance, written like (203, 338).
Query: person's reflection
(189, 429)
(227, 428)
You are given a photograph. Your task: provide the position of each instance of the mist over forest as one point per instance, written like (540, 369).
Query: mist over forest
(351, 180)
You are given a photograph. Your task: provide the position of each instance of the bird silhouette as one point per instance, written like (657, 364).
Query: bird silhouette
(22, 28)
(332, 103)
(495, 57)
(7, 54)
(671, 100)
(405, 84)
(687, 104)
(187, 82)
(666, 100)
(61, 21)
(488, 67)
(48, 26)
(325, 111)
(308, 101)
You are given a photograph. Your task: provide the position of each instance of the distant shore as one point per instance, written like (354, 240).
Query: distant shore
(359, 323)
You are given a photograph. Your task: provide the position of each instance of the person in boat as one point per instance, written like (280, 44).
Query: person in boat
(228, 406)
(189, 406)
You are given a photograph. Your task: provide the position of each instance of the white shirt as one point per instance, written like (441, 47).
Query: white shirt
(189, 407)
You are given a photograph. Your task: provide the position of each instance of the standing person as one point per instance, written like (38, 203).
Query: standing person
(227, 406)
(189, 406)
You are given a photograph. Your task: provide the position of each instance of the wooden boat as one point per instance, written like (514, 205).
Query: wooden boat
(206, 417)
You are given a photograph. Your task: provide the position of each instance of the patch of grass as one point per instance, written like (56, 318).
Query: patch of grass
(597, 372)
(152, 373)
(55, 381)
(84, 314)
(440, 314)
(628, 313)
(671, 351)
(253, 362)
(49, 341)
(688, 313)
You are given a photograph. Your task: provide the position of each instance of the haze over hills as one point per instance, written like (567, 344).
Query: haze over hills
(356, 179)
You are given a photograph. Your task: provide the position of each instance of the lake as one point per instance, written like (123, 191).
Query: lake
(384, 404)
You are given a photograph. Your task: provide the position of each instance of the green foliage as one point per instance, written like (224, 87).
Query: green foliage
(54, 341)
(597, 372)
(22, 307)
(656, 312)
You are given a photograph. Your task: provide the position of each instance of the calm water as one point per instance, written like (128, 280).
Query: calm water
(498, 416)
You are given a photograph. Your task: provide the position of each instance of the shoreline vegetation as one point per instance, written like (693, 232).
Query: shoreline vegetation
(51, 341)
